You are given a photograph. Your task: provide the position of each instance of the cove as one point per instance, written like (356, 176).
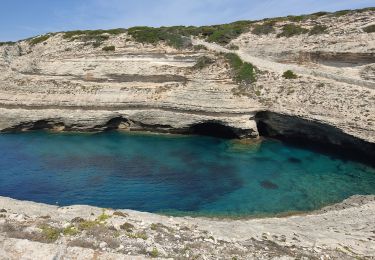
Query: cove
(176, 175)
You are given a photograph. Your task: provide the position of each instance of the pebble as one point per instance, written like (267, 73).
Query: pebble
(103, 245)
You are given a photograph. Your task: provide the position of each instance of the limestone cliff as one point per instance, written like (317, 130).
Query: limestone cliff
(95, 80)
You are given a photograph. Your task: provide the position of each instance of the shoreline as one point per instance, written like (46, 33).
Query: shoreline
(331, 231)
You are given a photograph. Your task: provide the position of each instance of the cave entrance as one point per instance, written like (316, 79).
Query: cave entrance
(213, 129)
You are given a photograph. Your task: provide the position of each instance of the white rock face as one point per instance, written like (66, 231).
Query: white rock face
(75, 86)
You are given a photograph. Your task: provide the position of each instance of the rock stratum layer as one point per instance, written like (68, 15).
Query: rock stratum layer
(114, 81)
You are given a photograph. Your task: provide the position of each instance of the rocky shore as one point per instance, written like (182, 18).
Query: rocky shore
(31, 230)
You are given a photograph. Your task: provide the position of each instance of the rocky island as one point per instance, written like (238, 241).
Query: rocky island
(308, 78)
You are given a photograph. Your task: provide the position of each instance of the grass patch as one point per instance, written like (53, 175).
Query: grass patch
(103, 217)
(243, 72)
(88, 224)
(50, 233)
(203, 62)
(109, 48)
(318, 29)
(289, 75)
(141, 235)
(70, 231)
(290, 30)
(264, 29)
(369, 29)
(39, 39)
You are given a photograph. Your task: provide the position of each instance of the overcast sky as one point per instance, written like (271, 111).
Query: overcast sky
(24, 18)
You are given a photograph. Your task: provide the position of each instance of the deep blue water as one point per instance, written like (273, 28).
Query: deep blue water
(185, 175)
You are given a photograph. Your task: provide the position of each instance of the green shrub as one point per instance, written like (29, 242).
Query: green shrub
(296, 18)
(172, 36)
(92, 33)
(7, 43)
(223, 34)
(234, 60)
(318, 29)
(50, 233)
(243, 72)
(39, 39)
(264, 29)
(203, 62)
(319, 14)
(341, 13)
(97, 37)
(70, 231)
(87, 224)
(103, 217)
(369, 29)
(109, 48)
(127, 226)
(141, 235)
(178, 36)
(290, 30)
(233, 47)
(289, 75)
(154, 252)
(199, 47)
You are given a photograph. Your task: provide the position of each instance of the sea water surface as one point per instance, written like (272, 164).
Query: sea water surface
(178, 175)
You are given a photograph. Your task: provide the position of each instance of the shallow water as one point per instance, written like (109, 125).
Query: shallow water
(178, 175)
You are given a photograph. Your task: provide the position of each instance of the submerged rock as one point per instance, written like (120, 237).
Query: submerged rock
(269, 185)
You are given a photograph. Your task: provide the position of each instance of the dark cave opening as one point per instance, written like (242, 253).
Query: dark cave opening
(213, 129)
(316, 136)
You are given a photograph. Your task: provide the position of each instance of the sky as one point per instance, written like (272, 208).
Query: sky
(21, 19)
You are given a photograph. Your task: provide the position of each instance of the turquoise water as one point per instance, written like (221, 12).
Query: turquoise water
(179, 175)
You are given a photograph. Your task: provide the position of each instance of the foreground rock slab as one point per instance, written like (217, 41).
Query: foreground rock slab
(30, 230)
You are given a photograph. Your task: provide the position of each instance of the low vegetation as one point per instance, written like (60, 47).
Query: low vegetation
(96, 37)
(154, 252)
(39, 39)
(289, 75)
(172, 36)
(199, 47)
(203, 62)
(318, 29)
(141, 235)
(70, 231)
(109, 48)
(369, 29)
(7, 43)
(290, 30)
(179, 36)
(127, 227)
(50, 233)
(233, 47)
(243, 72)
(91, 33)
(264, 29)
(103, 217)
